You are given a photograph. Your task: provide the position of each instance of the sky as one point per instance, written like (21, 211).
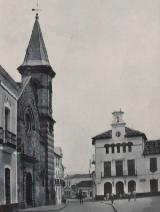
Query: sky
(106, 55)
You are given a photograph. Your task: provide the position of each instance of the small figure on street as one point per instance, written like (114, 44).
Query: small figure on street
(64, 200)
(81, 197)
(134, 195)
(107, 196)
(129, 196)
(112, 198)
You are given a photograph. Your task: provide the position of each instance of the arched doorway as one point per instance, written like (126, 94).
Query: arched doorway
(154, 185)
(131, 186)
(119, 188)
(29, 189)
(107, 188)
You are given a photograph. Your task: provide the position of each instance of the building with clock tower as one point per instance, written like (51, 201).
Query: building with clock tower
(125, 161)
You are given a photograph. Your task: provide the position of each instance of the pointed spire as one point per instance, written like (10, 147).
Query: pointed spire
(36, 53)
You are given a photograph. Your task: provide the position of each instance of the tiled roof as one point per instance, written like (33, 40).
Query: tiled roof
(86, 183)
(129, 133)
(152, 147)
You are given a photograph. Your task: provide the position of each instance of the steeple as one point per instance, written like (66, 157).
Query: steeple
(36, 53)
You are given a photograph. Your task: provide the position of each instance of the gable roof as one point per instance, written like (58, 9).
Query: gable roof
(129, 133)
(152, 147)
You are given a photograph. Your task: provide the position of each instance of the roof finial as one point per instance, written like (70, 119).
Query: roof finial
(37, 16)
(37, 10)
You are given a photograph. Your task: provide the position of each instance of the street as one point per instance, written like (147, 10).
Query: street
(148, 204)
(88, 207)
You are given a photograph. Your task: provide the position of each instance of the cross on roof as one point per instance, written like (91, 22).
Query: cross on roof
(37, 8)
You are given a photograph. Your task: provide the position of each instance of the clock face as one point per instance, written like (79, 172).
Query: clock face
(118, 134)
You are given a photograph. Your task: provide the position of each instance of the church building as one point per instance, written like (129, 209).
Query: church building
(34, 124)
(126, 161)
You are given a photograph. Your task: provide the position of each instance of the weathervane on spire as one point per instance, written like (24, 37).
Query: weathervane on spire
(37, 9)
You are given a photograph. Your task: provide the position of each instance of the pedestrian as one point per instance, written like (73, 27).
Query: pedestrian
(80, 197)
(107, 196)
(129, 196)
(134, 195)
(112, 198)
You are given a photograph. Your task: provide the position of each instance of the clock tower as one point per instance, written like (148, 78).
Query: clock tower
(118, 125)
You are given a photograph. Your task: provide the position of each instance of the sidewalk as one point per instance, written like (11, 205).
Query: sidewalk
(148, 204)
(44, 208)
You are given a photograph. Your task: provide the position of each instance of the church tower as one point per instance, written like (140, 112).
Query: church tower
(36, 65)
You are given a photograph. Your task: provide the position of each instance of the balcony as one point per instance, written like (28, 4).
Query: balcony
(119, 175)
(7, 140)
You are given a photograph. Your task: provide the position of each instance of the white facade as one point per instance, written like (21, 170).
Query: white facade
(8, 140)
(122, 163)
(58, 174)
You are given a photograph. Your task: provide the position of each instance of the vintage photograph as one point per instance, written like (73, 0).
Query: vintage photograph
(80, 105)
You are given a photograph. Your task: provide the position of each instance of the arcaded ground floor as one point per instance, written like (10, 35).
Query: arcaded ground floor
(121, 186)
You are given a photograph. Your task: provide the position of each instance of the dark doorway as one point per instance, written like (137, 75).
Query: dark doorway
(7, 186)
(131, 186)
(29, 189)
(107, 188)
(154, 186)
(119, 188)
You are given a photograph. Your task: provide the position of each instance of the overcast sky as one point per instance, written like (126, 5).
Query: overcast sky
(106, 55)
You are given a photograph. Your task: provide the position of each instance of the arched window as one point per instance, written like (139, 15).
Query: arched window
(7, 118)
(124, 147)
(112, 146)
(29, 120)
(130, 147)
(118, 148)
(107, 148)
